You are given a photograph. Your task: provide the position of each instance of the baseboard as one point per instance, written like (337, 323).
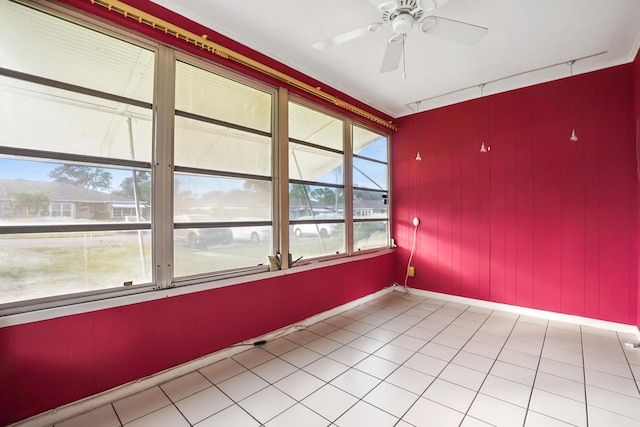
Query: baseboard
(93, 402)
(549, 315)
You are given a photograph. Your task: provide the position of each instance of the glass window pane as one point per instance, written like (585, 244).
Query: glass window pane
(311, 240)
(368, 174)
(369, 144)
(43, 118)
(222, 199)
(255, 234)
(369, 204)
(310, 206)
(369, 235)
(207, 94)
(40, 44)
(312, 201)
(315, 127)
(44, 265)
(36, 192)
(311, 164)
(205, 250)
(207, 146)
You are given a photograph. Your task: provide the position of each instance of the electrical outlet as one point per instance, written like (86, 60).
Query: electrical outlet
(411, 271)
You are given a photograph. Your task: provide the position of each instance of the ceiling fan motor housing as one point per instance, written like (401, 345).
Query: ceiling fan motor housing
(402, 16)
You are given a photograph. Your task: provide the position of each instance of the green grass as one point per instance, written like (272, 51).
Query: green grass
(92, 262)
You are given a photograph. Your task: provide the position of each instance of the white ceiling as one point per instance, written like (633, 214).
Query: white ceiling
(528, 42)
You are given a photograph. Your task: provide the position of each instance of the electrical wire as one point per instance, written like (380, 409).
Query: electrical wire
(413, 250)
(271, 336)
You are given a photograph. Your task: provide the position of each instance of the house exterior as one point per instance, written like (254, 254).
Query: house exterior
(21, 198)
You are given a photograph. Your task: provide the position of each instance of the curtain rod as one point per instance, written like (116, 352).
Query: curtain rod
(204, 43)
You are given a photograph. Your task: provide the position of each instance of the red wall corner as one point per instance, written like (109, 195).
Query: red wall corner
(636, 97)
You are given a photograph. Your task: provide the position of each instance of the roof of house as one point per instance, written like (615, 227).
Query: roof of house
(58, 192)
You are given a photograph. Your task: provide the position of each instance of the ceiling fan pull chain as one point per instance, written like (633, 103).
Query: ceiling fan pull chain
(404, 60)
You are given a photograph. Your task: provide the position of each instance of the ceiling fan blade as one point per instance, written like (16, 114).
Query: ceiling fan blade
(393, 53)
(384, 4)
(450, 29)
(349, 35)
(426, 5)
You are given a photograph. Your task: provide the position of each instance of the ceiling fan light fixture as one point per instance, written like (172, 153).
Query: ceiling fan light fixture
(402, 23)
(427, 24)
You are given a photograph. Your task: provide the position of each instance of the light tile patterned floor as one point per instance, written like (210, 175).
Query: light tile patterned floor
(405, 361)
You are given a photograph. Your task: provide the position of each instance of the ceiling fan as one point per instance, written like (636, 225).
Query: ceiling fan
(402, 15)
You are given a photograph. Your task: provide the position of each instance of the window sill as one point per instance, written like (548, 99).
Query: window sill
(145, 295)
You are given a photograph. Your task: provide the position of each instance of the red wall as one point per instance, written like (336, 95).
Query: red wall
(47, 364)
(539, 221)
(636, 93)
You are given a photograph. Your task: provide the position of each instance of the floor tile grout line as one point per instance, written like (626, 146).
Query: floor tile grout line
(448, 363)
(633, 375)
(116, 412)
(584, 379)
(380, 381)
(535, 376)
(477, 392)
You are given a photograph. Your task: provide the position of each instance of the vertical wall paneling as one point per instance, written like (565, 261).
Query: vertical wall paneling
(498, 204)
(539, 221)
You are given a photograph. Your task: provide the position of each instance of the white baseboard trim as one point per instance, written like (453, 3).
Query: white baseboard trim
(549, 315)
(93, 402)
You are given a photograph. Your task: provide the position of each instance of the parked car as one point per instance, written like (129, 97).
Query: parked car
(254, 234)
(313, 229)
(201, 237)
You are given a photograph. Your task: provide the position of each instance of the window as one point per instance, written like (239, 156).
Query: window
(57, 209)
(75, 141)
(370, 189)
(223, 173)
(127, 166)
(316, 183)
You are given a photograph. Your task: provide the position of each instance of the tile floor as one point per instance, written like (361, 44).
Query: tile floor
(405, 361)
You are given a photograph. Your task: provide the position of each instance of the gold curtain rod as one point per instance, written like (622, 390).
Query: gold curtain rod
(205, 44)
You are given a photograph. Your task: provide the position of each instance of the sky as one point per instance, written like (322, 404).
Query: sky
(39, 171)
(11, 168)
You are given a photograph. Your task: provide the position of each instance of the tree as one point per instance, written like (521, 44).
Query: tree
(143, 183)
(82, 176)
(259, 187)
(367, 195)
(324, 195)
(34, 203)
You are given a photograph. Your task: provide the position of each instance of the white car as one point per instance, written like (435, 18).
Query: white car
(252, 233)
(324, 230)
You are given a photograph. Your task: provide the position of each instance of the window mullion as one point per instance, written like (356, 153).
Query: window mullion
(281, 178)
(348, 187)
(163, 168)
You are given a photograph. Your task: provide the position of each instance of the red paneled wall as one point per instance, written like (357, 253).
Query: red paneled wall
(539, 221)
(636, 95)
(47, 364)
